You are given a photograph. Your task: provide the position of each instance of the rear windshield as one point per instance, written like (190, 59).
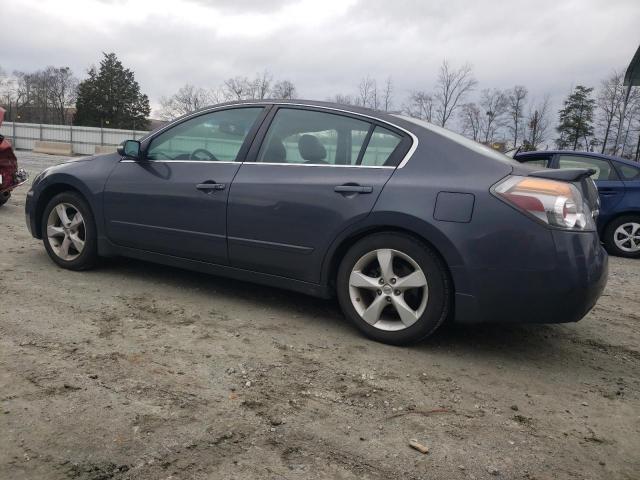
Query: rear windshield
(464, 141)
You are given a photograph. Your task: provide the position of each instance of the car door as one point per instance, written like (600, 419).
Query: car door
(610, 188)
(174, 200)
(313, 173)
(630, 175)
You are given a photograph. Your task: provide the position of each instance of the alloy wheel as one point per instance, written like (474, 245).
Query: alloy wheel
(66, 231)
(388, 289)
(627, 237)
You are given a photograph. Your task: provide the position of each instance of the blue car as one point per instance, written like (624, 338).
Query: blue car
(406, 223)
(618, 183)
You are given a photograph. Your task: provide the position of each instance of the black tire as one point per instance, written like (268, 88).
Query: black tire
(609, 234)
(4, 198)
(89, 255)
(439, 287)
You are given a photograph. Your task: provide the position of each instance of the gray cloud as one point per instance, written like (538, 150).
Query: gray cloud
(243, 6)
(546, 45)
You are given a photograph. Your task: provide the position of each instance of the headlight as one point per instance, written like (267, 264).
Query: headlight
(557, 204)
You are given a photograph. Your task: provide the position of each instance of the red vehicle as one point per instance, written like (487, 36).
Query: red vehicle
(10, 175)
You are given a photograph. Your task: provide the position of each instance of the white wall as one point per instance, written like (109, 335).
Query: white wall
(83, 139)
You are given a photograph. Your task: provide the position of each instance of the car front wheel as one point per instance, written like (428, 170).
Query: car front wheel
(69, 232)
(394, 288)
(622, 237)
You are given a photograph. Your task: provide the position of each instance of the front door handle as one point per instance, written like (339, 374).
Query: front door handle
(210, 186)
(353, 189)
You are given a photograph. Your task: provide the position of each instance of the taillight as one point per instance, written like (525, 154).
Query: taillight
(558, 204)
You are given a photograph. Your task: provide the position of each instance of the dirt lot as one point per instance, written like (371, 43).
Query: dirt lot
(138, 371)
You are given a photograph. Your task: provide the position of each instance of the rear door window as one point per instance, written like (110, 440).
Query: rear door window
(313, 138)
(604, 169)
(628, 172)
(381, 146)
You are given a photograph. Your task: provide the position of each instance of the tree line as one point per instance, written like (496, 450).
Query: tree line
(109, 96)
(590, 118)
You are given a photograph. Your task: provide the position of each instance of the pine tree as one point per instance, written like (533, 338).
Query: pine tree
(576, 119)
(111, 97)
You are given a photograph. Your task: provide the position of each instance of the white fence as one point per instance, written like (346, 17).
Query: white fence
(83, 140)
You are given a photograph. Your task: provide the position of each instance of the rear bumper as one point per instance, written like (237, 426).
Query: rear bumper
(19, 177)
(563, 292)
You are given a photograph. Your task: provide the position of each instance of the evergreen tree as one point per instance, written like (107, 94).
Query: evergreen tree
(576, 119)
(111, 97)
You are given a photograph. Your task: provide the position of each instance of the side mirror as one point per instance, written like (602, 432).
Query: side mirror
(129, 149)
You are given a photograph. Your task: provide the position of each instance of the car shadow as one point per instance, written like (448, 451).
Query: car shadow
(496, 341)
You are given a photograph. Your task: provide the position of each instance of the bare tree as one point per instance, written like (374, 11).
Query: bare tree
(471, 118)
(186, 100)
(260, 87)
(494, 103)
(368, 93)
(236, 88)
(516, 104)
(537, 124)
(452, 87)
(62, 91)
(631, 116)
(342, 99)
(609, 103)
(420, 105)
(387, 95)
(284, 89)
(8, 93)
(45, 95)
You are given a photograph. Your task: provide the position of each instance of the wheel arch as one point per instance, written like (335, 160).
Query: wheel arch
(45, 197)
(436, 241)
(616, 216)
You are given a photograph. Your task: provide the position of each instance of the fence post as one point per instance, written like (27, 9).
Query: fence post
(13, 125)
(40, 125)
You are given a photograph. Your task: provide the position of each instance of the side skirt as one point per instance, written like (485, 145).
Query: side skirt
(108, 249)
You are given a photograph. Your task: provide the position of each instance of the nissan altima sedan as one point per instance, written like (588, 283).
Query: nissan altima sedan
(406, 223)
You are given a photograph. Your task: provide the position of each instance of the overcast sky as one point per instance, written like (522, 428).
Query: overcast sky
(326, 46)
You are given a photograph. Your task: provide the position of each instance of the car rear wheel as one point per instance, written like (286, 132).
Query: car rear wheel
(622, 237)
(394, 288)
(69, 232)
(4, 197)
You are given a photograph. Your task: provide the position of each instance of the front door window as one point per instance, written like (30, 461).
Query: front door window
(215, 136)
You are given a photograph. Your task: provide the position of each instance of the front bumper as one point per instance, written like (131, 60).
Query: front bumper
(565, 291)
(30, 217)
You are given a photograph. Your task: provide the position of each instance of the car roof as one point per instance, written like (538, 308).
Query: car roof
(377, 114)
(577, 152)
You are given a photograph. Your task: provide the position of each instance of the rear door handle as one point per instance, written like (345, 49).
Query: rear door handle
(208, 187)
(353, 189)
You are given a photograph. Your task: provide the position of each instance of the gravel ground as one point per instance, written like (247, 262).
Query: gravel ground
(139, 371)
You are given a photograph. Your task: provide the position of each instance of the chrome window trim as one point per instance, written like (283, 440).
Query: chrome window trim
(126, 160)
(285, 164)
(403, 162)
